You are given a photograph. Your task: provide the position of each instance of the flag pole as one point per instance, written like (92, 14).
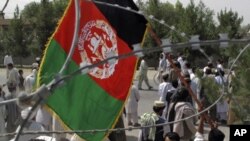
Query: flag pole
(177, 71)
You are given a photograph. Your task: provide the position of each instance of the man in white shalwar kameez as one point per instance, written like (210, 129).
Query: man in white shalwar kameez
(162, 67)
(196, 88)
(7, 60)
(164, 87)
(29, 81)
(13, 111)
(222, 105)
(13, 80)
(44, 118)
(132, 106)
(143, 75)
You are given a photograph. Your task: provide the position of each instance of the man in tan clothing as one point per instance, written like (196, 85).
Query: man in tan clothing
(180, 109)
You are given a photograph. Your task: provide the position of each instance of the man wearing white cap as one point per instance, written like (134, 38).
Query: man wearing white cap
(29, 81)
(147, 119)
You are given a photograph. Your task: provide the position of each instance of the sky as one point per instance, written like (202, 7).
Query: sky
(241, 6)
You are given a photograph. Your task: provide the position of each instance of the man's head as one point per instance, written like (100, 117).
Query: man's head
(181, 95)
(177, 64)
(10, 66)
(188, 80)
(35, 66)
(172, 136)
(188, 65)
(38, 59)
(208, 71)
(219, 61)
(158, 107)
(20, 72)
(175, 83)
(210, 64)
(216, 135)
(180, 54)
(165, 77)
(161, 55)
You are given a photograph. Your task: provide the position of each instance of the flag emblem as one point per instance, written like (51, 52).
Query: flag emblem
(97, 42)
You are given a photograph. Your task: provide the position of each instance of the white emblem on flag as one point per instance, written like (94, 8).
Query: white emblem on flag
(97, 42)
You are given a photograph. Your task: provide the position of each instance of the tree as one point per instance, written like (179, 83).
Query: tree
(229, 22)
(46, 23)
(191, 20)
(195, 20)
(239, 94)
(3, 42)
(59, 7)
(244, 31)
(198, 20)
(159, 10)
(18, 36)
(30, 14)
(43, 17)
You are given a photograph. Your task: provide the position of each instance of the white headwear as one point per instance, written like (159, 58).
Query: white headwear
(38, 58)
(35, 65)
(159, 104)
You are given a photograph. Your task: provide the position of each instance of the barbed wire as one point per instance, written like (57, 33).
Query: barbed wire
(115, 129)
(8, 101)
(152, 17)
(133, 53)
(130, 128)
(146, 50)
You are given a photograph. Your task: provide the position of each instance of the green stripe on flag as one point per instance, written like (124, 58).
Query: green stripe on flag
(80, 99)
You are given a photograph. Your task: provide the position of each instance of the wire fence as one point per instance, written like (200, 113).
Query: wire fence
(148, 50)
(62, 79)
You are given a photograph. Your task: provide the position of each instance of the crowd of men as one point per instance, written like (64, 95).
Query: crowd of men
(175, 101)
(12, 115)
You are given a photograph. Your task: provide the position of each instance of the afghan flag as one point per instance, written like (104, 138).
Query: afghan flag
(96, 99)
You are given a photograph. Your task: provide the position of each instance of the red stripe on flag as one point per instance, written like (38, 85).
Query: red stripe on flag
(95, 29)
